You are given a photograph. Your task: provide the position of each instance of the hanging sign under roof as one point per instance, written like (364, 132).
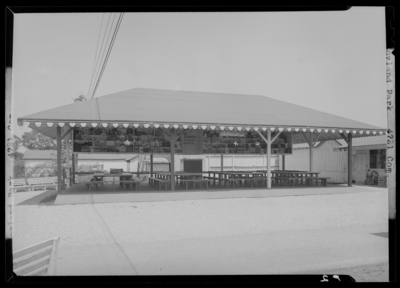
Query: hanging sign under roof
(232, 133)
(192, 142)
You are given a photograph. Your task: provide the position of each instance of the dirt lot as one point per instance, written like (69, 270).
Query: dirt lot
(113, 224)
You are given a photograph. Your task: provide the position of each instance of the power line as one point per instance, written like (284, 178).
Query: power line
(95, 56)
(99, 58)
(108, 53)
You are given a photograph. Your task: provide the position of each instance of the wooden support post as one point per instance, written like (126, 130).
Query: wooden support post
(310, 144)
(151, 165)
(269, 159)
(68, 159)
(311, 152)
(222, 162)
(269, 141)
(349, 141)
(172, 142)
(76, 162)
(59, 167)
(73, 168)
(350, 159)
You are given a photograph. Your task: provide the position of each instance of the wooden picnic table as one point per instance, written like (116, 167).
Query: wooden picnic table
(302, 175)
(121, 176)
(178, 174)
(230, 176)
(180, 178)
(249, 176)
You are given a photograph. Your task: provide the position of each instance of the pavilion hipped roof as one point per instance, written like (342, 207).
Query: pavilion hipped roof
(141, 107)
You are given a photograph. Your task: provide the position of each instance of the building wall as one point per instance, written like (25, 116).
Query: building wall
(366, 149)
(117, 164)
(31, 163)
(107, 164)
(230, 162)
(329, 163)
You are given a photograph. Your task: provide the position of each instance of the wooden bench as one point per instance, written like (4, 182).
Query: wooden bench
(308, 180)
(39, 259)
(130, 184)
(195, 181)
(257, 181)
(17, 184)
(213, 179)
(42, 182)
(159, 182)
(322, 180)
(232, 181)
(94, 183)
(284, 180)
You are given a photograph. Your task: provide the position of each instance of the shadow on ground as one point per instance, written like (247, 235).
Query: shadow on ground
(46, 198)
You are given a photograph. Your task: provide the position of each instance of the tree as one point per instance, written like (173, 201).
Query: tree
(14, 144)
(80, 98)
(45, 169)
(37, 141)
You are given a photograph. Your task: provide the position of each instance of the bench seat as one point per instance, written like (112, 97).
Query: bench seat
(196, 181)
(257, 181)
(160, 183)
(309, 180)
(130, 184)
(94, 183)
(213, 179)
(232, 181)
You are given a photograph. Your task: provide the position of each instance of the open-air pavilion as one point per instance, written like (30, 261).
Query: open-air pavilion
(174, 114)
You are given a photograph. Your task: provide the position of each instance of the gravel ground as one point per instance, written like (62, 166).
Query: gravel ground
(80, 225)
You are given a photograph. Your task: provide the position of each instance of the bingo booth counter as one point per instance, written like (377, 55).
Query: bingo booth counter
(167, 122)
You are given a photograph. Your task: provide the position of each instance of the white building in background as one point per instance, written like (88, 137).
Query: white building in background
(129, 162)
(330, 158)
(326, 159)
(231, 162)
(369, 156)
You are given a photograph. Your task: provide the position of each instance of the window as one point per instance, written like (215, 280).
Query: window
(382, 159)
(377, 159)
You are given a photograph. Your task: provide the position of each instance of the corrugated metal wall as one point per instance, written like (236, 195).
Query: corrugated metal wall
(329, 162)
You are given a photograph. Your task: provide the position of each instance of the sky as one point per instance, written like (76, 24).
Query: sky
(329, 61)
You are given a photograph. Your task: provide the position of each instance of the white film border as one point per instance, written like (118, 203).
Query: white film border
(391, 134)
(9, 160)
